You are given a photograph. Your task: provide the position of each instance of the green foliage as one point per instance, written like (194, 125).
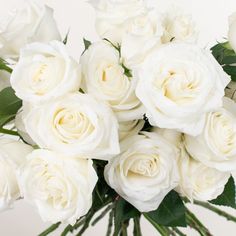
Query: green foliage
(171, 212)
(227, 198)
(65, 40)
(9, 105)
(127, 71)
(147, 126)
(4, 66)
(117, 47)
(230, 70)
(226, 56)
(123, 213)
(87, 44)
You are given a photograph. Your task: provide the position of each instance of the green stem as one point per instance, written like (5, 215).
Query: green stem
(102, 214)
(161, 229)
(50, 229)
(216, 210)
(194, 223)
(124, 227)
(87, 222)
(8, 131)
(137, 228)
(78, 224)
(180, 233)
(68, 229)
(110, 222)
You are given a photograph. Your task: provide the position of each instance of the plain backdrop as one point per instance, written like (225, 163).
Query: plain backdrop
(211, 18)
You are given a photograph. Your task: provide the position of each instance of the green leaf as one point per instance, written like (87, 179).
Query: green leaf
(171, 212)
(227, 198)
(4, 119)
(127, 71)
(117, 47)
(87, 44)
(230, 70)
(224, 54)
(65, 40)
(9, 105)
(4, 66)
(123, 213)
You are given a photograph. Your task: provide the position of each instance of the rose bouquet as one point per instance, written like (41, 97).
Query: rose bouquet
(143, 124)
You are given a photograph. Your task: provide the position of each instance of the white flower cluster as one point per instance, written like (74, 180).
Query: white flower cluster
(146, 70)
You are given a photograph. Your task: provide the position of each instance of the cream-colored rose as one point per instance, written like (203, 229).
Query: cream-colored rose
(144, 172)
(179, 84)
(216, 146)
(142, 34)
(230, 90)
(60, 187)
(232, 31)
(113, 14)
(105, 79)
(12, 156)
(32, 23)
(197, 181)
(130, 128)
(4, 80)
(45, 72)
(19, 123)
(76, 124)
(178, 26)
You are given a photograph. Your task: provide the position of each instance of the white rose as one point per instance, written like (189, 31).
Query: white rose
(60, 187)
(4, 80)
(230, 90)
(76, 124)
(12, 156)
(144, 172)
(178, 26)
(130, 128)
(105, 79)
(216, 146)
(45, 72)
(197, 181)
(178, 84)
(20, 126)
(113, 14)
(142, 34)
(33, 22)
(232, 31)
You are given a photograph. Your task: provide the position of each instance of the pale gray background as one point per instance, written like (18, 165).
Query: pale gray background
(211, 17)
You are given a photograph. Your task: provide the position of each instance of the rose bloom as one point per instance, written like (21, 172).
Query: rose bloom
(144, 172)
(197, 181)
(105, 79)
(19, 123)
(12, 156)
(130, 128)
(111, 16)
(34, 22)
(232, 31)
(76, 124)
(216, 146)
(142, 34)
(179, 84)
(45, 72)
(179, 27)
(60, 187)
